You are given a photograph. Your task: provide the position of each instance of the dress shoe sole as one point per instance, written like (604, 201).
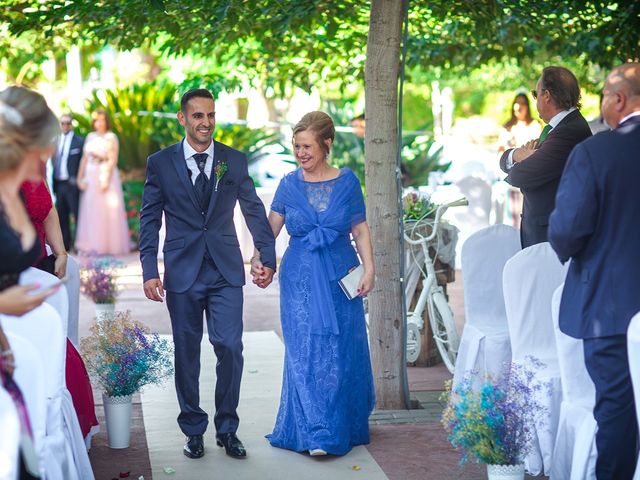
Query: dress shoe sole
(240, 457)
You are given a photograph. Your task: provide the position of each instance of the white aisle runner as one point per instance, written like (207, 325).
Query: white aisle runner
(259, 396)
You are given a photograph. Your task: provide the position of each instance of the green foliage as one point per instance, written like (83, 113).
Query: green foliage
(132, 190)
(420, 156)
(307, 42)
(135, 114)
(245, 139)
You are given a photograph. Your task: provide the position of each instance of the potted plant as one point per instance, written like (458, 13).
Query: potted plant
(123, 356)
(492, 420)
(98, 281)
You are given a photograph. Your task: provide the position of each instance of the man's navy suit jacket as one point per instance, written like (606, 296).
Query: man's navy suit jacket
(538, 175)
(596, 224)
(190, 231)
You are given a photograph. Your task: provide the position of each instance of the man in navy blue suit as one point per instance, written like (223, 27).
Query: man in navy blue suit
(596, 224)
(66, 161)
(196, 184)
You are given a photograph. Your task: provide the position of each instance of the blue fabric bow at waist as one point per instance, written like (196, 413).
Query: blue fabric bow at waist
(317, 241)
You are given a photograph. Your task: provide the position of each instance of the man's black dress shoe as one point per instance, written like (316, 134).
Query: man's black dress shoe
(194, 448)
(232, 445)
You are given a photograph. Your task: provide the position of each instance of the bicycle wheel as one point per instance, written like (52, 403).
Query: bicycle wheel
(413, 342)
(443, 328)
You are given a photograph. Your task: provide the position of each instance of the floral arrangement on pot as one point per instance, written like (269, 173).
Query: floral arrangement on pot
(98, 279)
(492, 420)
(124, 356)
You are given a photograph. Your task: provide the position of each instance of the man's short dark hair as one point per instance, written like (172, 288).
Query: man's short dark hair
(562, 85)
(193, 93)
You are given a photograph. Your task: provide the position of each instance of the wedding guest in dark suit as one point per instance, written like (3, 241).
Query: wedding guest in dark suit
(596, 224)
(536, 167)
(66, 161)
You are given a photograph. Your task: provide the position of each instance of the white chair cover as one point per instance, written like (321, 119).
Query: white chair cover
(485, 348)
(73, 293)
(10, 438)
(633, 351)
(43, 327)
(574, 452)
(529, 279)
(29, 375)
(59, 300)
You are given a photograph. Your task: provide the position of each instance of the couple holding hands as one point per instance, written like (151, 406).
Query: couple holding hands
(327, 392)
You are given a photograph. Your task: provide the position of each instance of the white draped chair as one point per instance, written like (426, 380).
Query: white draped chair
(485, 347)
(29, 375)
(60, 456)
(529, 279)
(574, 453)
(59, 300)
(10, 438)
(73, 294)
(633, 351)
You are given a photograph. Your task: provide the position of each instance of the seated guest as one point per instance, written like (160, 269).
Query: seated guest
(45, 220)
(27, 132)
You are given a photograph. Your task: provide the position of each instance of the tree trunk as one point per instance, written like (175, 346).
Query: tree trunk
(386, 322)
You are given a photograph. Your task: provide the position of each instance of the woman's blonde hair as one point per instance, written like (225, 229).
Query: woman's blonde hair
(320, 124)
(26, 122)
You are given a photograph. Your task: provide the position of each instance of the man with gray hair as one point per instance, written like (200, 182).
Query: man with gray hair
(536, 167)
(596, 224)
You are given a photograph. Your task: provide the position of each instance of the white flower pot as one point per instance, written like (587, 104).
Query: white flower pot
(505, 472)
(117, 413)
(105, 310)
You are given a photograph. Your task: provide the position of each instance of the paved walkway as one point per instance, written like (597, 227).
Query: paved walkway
(405, 445)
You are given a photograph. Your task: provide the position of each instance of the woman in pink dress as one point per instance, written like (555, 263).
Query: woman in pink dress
(102, 222)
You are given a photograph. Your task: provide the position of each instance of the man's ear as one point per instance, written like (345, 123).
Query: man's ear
(180, 116)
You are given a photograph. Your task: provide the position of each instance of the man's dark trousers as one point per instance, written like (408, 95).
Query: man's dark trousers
(67, 201)
(617, 435)
(222, 304)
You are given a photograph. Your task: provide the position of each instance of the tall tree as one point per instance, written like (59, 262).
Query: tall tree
(386, 324)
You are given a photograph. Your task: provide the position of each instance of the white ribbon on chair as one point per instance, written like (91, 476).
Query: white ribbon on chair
(29, 375)
(10, 438)
(574, 452)
(45, 329)
(633, 351)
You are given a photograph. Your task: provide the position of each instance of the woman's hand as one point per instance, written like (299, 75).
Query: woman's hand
(366, 283)
(82, 184)
(60, 266)
(18, 300)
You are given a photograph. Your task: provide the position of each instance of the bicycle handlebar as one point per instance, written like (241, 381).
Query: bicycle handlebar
(439, 212)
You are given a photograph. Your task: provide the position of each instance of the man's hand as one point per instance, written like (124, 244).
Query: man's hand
(523, 152)
(18, 300)
(265, 278)
(153, 289)
(262, 276)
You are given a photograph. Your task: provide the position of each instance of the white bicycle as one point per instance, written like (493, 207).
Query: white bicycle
(432, 295)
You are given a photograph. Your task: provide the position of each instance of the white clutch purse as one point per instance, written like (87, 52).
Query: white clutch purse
(349, 283)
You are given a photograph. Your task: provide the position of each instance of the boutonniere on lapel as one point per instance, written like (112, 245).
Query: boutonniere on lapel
(220, 169)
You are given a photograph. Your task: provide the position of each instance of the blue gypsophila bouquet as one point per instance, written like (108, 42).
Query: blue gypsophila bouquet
(98, 279)
(493, 420)
(124, 356)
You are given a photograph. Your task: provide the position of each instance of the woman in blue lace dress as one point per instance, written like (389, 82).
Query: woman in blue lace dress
(327, 392)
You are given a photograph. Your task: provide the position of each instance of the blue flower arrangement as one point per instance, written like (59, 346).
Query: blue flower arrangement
(124, 356)
(492, 420)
